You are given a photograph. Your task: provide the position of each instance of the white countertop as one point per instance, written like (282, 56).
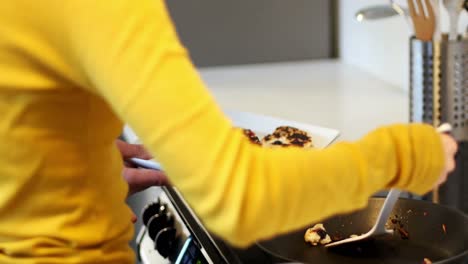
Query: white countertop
(324, 93)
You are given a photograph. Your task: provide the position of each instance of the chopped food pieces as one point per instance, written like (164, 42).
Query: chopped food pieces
(283, 136)
(252, 137)
(403, 233)
(399, 226)
(271, 141)
(317, 235)
(288, 136)
(444, 228)
(427, 261)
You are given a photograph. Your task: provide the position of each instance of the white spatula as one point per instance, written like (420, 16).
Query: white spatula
(387, 208)
(379, 226)
(147, 164)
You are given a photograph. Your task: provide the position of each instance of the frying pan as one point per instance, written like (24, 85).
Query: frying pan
(436, 232)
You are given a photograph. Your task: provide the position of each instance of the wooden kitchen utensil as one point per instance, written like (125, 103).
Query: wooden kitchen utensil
(424, 22)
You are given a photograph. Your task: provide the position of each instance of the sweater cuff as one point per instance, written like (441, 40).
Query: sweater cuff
(428, 158)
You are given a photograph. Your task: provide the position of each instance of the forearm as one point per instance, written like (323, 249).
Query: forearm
(268, 192)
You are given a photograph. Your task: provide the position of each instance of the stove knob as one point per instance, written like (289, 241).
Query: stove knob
(163, 208)
(158, 222)
(166, 241)
(150, 210)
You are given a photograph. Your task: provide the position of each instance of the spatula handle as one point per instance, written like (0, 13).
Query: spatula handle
(386, 210)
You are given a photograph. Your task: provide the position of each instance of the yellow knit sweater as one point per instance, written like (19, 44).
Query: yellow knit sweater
(70, 71)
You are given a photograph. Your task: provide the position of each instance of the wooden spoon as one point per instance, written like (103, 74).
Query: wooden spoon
(424, 22)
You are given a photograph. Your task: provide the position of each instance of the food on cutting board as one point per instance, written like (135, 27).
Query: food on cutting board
(283, 136)
(252, 136)
(288, 136)
(317, 235)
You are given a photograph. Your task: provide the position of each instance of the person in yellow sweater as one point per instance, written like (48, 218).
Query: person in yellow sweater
(71, 72)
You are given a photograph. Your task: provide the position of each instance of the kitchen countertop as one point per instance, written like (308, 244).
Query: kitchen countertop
(325, 93)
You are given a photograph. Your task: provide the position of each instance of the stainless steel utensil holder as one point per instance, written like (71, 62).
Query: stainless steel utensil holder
(439, 84)
(421, 81)
(438, 94)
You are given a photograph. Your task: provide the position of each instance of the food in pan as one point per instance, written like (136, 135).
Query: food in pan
(400, 227)
(427, 261)
(252, 137)
(288, 136)
(317, 235)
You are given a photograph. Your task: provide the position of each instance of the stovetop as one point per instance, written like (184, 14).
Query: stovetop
(173, 234)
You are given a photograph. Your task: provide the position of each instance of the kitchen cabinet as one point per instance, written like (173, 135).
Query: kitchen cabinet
(243, 31)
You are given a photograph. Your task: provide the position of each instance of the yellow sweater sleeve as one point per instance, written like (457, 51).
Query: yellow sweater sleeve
(130, 53)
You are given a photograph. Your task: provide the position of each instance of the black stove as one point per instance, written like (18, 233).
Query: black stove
(173, 234)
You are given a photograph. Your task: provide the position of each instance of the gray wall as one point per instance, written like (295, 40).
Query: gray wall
(219, 32)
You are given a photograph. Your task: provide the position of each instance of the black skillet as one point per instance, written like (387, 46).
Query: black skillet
(435, 232)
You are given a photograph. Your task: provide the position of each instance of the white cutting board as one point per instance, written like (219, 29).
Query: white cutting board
(263, 125)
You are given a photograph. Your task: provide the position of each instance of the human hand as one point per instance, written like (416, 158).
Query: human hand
(450, 148)
(139, 179)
